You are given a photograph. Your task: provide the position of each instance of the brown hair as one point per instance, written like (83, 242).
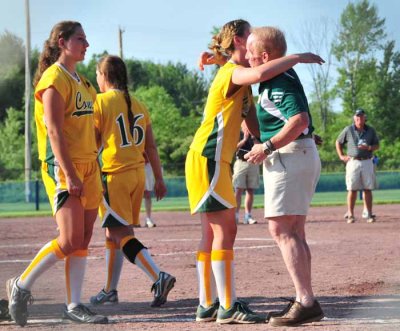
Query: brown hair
(270, 40)
(114, 70)
(51, 52)
(222, 43)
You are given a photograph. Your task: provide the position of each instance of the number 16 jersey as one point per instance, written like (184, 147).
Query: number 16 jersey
(121, 150)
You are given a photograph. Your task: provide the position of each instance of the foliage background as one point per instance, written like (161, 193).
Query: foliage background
(366, 75)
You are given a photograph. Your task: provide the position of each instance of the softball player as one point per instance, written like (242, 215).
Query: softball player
(124, 131)
(67, 148)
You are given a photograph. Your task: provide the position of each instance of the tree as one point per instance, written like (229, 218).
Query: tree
(188, 89)
(361, 33)
(173, 132)
(385, 95)
(317, 37)
(89, 70)
(12, 145)
(11, 72)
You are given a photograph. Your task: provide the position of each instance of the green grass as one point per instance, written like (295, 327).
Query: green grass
(181, 203)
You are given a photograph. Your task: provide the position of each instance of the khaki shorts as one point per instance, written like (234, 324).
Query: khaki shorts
(360, 175)
(122, 198)
(209, 184)
(149, 184)
(56, 187)
(290, 177)
(246, 175)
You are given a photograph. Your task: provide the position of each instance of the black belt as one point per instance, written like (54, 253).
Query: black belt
(304, 136)
(360, 158)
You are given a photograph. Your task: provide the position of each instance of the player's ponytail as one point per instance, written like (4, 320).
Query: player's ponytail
(115, 73)
(51, 51)
(222, 44)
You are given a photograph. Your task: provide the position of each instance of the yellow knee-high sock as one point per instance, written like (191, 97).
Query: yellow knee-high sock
(223, 269)
(207, 290)
(48, 255)
(114, 261)
(75, 266)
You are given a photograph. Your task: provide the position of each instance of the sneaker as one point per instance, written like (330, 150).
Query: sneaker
(239, 313)
(208, 314)
(150, 223)
(161, 288)
(282, 312)
(349, 218)
(4, 314)
(298, 314)
(249, 220)
(83, 314)
(106, 298)
(18, 300)
(369, 217)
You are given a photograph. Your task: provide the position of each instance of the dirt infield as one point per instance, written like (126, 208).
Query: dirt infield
(356, 272)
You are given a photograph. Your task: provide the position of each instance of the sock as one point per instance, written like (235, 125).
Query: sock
(114, 261)
(139, 255)
(207, 290)
(48, 255)
(223, 269)
(75, 265)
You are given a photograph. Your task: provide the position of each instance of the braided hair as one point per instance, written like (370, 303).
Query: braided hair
(115, 73)
(222, 44)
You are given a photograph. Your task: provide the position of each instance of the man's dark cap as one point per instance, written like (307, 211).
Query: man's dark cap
(359, 112)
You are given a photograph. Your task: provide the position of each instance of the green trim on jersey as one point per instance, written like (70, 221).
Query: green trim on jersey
(104, 180)
(281, 98)
(49, 152)
(211, 204)
(210, 148)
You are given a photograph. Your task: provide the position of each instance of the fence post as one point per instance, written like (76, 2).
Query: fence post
(37, 194)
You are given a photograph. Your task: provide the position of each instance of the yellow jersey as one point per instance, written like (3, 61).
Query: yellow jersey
(120, 149)
(219, 131)
(78, 128)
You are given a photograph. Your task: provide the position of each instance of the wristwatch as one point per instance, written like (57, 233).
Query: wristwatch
(268, 147)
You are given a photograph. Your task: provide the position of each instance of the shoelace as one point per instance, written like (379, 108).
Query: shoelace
(289, 305)
(86, 310)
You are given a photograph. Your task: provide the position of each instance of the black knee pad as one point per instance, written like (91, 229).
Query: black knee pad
(132, 248)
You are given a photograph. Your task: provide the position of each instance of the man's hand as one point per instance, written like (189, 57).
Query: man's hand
(256, 155)
(345, 158)
(317, 139)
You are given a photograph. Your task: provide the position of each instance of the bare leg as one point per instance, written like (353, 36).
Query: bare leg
(238, 196)
(351, 201)
(368, 201)
(248, 203)
(147, 203)
(288, 232)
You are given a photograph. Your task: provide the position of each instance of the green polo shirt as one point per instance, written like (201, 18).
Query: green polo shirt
(279, 99)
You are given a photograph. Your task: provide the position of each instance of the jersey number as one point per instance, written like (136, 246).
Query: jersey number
(138, 132)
